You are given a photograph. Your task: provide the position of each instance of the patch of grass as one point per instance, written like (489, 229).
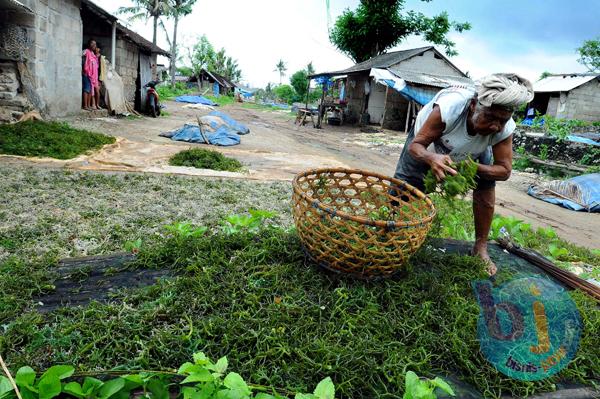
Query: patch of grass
(457, 223)
(165, 114)
(262, 107)
(221, 100)
(205, 159)
(49, 139)
(166, 92)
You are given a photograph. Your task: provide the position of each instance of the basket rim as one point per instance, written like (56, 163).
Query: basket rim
(362, 219)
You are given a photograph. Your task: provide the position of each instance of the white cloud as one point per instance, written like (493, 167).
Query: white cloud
(480, 59)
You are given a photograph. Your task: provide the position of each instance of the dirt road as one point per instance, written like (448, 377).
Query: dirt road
(276, 149)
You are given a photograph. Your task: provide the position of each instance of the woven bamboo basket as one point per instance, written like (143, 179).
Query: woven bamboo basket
(360, 223)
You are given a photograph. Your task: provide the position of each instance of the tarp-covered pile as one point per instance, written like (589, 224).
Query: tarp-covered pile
(581, 193)
(216, 128)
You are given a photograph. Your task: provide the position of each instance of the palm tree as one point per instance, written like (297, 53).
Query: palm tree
(143, 10)
(177, 9)
(281, 68)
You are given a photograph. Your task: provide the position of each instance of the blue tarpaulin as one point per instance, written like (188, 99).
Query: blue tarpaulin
(239, 128)
(584, 140)
(417, 94)
(195, 100)
(581, 193)
(191, 134)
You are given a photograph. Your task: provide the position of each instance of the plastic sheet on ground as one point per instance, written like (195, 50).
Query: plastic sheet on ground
(200, 107)
(195, 100)
(583, 140)
(217, 128)
(191, 133)
(581, 193)
(239, 128)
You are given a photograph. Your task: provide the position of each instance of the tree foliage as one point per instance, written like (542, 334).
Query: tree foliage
(143, 10)
(299, 83)
(377, 25)
(285, 93)
(281, 68)
(203, 56)
(590, 54)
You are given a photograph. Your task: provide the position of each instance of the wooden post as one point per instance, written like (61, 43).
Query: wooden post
(113, 45)
(408, 116)
(321, 107)
(387, 91)
(307, 91)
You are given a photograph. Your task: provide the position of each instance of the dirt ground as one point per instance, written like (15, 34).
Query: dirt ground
(276, 149)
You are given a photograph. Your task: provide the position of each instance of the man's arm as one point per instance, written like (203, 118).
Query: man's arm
(502, 167)
(431, 131)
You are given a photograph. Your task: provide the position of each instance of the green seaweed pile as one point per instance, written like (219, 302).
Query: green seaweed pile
(456, 185)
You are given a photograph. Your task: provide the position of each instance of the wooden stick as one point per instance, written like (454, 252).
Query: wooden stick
(12, 382)
(573, 167)
(201, 132)
(571, 280)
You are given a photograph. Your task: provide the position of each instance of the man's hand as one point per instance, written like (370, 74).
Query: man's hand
(440, 165)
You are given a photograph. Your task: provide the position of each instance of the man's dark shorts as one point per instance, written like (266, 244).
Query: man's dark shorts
(87, 84)
(413, 172)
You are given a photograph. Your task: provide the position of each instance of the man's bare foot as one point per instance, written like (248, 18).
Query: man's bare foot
(482, 253)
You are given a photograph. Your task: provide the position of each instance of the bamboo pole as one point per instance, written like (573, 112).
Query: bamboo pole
(387, 90)
(12, 382)
(569, 279)
(408, 112)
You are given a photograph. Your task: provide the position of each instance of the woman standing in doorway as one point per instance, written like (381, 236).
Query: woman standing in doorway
(101, 74)
(90, 76)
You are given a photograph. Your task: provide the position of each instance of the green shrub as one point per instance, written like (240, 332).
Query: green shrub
(205, 159)
(166, 92)
(49, 139)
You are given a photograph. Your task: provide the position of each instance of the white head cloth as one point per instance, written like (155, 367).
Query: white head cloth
(504, 89)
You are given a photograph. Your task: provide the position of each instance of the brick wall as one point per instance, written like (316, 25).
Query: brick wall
(127, 65)
(583, 102)
(54, 59)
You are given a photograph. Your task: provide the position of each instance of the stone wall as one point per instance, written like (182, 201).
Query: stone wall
(127, 66)
(13, 102)
(565, 151)
(54, 58)
(583, 103)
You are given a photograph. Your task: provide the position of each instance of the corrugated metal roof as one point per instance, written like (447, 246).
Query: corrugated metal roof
(565, 82)
(14, 5)
(426, 79)
(386, 60)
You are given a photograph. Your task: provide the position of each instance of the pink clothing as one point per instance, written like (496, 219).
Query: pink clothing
(90, 68)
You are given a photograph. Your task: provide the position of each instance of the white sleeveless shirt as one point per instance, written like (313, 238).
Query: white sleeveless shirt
(456, 141)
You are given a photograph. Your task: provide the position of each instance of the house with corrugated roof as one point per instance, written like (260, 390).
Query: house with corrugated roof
(41, 45)
(390, 89)
(569, 96)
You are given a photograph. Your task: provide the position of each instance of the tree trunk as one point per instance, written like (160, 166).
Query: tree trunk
(155, 29)
(174, 51)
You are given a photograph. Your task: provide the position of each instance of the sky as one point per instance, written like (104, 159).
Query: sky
(523, 36)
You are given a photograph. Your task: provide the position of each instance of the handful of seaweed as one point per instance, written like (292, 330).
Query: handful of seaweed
(452, 186)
